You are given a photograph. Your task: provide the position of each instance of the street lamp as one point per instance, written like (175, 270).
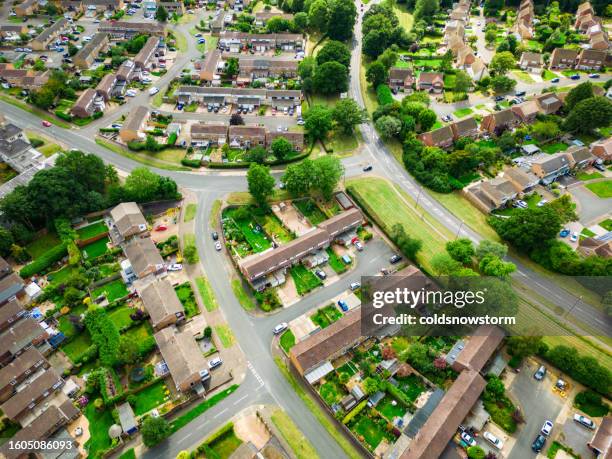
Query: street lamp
(569, 311)
(459, 230)
(418, 198)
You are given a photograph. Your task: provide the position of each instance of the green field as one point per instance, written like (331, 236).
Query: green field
(523, 76)
(310, 210)
(113, 290)
(92, 230)
(341, 143)
(547, 75)
(555, 147)
(305, 280)
(300, 445)
(606, 224)
(150, 397)
(95, 249)
(588, 176)
(602, 189)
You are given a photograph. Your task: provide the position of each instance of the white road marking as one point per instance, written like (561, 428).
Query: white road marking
(240, 399)
(220, 413)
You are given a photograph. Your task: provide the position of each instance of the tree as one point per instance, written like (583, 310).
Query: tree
(299, 178)
(461, 250)
(331, 78)
(236, 120)
(502, 83)
(493, 266)
(425, 10)
(318, 15)
(128, 350)
(306, 71)
(260, 183)
(232, 67)
(334, 51)
(277, 24)
(342, 15)
(281, 147)
(376, 74)
(318, 121)
(524, 346)
(502, 62)
(487, 247)
(589, 114)
(6, 242)
(581, 92)
(347, 114)
(154, 430)
(476, 452)
(300, 21)
(374, 43)
(388, 58)
(427, 118)
(545, 130)
(445, 265)
(490, 36)
(463, 82)
(141, 184)
(161, 14)
(370, 385)
(408, 245)
(529, 228)
(256, 154)
(388, 126)
(327, 173)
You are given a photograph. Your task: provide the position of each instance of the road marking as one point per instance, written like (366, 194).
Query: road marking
(220, 413)
(257, 377)
(240, 399)
(185, 437)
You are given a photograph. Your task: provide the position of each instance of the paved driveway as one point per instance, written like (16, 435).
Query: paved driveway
(537, 403)
(577, 437)
(590, 206)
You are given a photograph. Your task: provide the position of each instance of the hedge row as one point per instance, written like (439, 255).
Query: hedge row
(383, 94)
(44, 261)
(195, 163)
(246, 164)
(358, 409)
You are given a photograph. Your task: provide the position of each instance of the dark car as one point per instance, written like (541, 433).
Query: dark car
(368, 168)
(499, 98)
(575, 76)
(214, 235)
(538, 443)
(520, 93)
(599, 167)
(554, 80)
(395, 259)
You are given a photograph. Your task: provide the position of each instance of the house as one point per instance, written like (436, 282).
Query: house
(41, 42)
(563, 58)
(441, 137)
(126, 221)
(584, 22)
(11, 287)
(13, 30)
(89, 52)
(550, 167)
(18, 370)
(593, 246)
(492, 194)
(584, 9)
(498, 122)
(296, 139)
(252, 67)
(549, 103)
(208, 68)
(19, 338)
(467, 127)
(262, 17)
(133, 124)
(144, 257)
(599, 41)
(235, 41)
(602, 149)
(126, 71)
(161, 303)
(465, 57)
(247, 136)
(455, 28)
(208, 134)
(86, 105)
(177, 8)
(532, 62)
(454, 43)
(276, 98)
(579, 157)
(526, 111)
(601, 443)
(124, 30)
(26, 8)
(477, 70)
(400, 78)
(5, 268)
(183, 357)
(479, 348)
(106, 85)
(591, 59)
(143, 58)
(430, 81)
(10, 313)
(31, 392)
(15, 149)
(523, 181)
(101, 6)
(127, 420)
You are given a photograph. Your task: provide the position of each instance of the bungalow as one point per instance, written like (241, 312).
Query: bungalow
(133, 124)
(126, 221)
(467, 127)
(161, 303)
(591, 59)
(562, 58)
(430, 81)
(532, 62)
(549, 103)
(208, 68)
(296, 139)
(549, 168)
(526, 111)
(497, 122)
(602, 149)
(144, 258)
(400, 78)
(442, 137)
(247, 136)
(208, 134)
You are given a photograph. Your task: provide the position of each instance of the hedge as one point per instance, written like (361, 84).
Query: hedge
(109, 130)
(172, 139)
(399, 395)
(44, 261)
(358, 409)
(246, 164)
(191, 162)
(383, 94)
(60, 114)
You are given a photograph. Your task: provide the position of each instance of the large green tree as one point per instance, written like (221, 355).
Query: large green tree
(281, 147)
(331, 78)
(347, 114)
(334, 50)
(154, 430)
(260, 183)
(376, 74)
(590, 114)
(342, 15)
(425, 10)
(327, 172)
(529, 228)
(577, 94)
(318, 121)
(502, 62)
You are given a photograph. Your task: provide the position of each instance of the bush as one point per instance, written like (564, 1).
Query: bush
(37, 143)
(584, 369)
(45, 261)
(62, 115)
(591, 403)
(358, 409)
(172, 139)
(383, 94)
(195, 163)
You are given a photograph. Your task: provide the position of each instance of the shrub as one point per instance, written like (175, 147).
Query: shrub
(358, 409)
(195, 163)
(44, 261)
(383, 94)
(172, 139)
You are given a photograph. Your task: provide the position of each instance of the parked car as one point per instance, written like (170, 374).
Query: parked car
(554, 80)
(215, 236)
(493, 440)
(539, 375)
(521, 204)
(280, 328)
(594, 75)
(542, 202)
(355, 285)
(218, 246)
(153, 91)
(574, 237)
(343, 305)
(395, 259)
(320, 274)
(575, 76)
(547, 428)
(468, 439)
(214, 363)
(175, 267)
(367, 168)
(179, 106)
(447, 118)
(599, 167)
(538, 443)
(161, 228)
(499, 98)
(359, 246)
(564, 232)
(346, 259)
(520, 93)
(584, 421)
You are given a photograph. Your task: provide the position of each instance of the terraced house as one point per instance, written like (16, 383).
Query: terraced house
(88, 54)
(41, 42)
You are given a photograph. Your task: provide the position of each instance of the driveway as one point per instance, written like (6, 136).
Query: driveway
(590, 207)
(538, 403)
(576, 437)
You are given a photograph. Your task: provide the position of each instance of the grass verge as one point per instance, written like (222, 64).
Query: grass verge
(224, 332)
(214, 213)
(243, 297)
(300, 445)
(190, 212)
(206, 293)
(190, 415)
(138, 158)
(35, 111)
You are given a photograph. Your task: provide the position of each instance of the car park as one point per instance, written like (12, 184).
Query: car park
(280, 328)
(355, 285)
(468, 439)
(584, 421)
(547, 428)
(395, 259)
(540, 373)
(214, 363)
(538, 443)
(493, 440)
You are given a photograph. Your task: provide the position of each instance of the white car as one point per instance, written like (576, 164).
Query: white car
(218, 246)
(355, 285)
(547, 428)
(280, 328)
(467, 438)
(542, 202)
(214, 363)
(493, 440)
(130, 93)
(154, 90)
(586, 422)
(359, 246)
(574, 237)
(175, 267)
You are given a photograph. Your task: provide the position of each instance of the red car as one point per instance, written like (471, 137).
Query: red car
(46, 123)
(161, 228)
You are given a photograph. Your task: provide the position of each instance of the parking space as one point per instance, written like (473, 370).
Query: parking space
(538, 403)
(576, 437)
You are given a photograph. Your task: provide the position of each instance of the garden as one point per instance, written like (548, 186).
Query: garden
(150, 397)
(371, 429)
(113, 290)
(310, 210)
(244, 234)
(92, 230)
(187, 298)
(335, 262)
(97, 248)
(305, 280)
(325, 316)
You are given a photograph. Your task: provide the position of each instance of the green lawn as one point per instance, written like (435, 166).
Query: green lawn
(35, 111)
(555, 147)
(77, 346)
(61, 275)
(224, 332)
(412, 386)
(287, 341)
(523, 76)
(143, 158)
(300, 445)
(274, 228)
(92, 230)
(41, 244)
(121, 316)
(95, 249)
(336, 262)
(390, 410)
(547, 75)
(140, 332)
(332, 391)
(606, 224)
(187, 298)
(150, 397)
(602, 189)
(99, 423)
(256, 238)
(342, 143)
(245, 300)
(463, 112)
(113, 290)
(305, 280)
(588, 176)
(206, 293)
(371, 429)
(225, 444)
(310, 210)
(405, 18)
(324, 317)
(129, 454)
(190, 212)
